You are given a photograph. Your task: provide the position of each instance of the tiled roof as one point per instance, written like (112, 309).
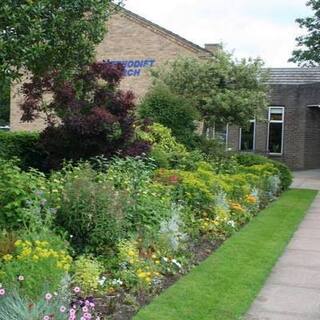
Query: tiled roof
(165, 32)
(294, 76)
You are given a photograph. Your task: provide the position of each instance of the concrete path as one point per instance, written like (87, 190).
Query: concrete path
(292, 291)
(308, 179)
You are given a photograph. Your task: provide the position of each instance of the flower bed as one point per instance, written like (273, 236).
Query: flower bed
(98, 240)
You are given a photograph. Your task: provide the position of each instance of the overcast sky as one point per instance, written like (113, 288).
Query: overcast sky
(250, 28)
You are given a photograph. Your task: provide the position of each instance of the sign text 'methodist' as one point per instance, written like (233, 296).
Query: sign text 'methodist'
(133, 68)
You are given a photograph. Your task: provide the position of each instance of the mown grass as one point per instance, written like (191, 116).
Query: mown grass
(224, 286)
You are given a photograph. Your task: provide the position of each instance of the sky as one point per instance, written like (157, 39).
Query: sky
(248, 28)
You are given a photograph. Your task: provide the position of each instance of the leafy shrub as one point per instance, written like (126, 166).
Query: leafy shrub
(148, 202)
(17, 190)
(91, 211)
(250, 159)
(88, 116)
(38, 263)
(21, 145)
(166, 151)
(285, 174)
(176, 113)
(213, 148)
(139, 268)
(87, 271)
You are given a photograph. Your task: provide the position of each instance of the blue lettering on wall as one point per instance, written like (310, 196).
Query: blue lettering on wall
(133, 68)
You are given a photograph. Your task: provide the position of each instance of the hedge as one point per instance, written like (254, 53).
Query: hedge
(22, 145)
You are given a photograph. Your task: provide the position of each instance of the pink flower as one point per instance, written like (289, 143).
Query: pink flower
(63, 309)
(2, 292)
(76, 289)
(85, 309)
(87, 315)
(46, 318)
(48, 296)
(72, 311)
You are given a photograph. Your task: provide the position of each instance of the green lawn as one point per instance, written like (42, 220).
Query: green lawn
(224, 286)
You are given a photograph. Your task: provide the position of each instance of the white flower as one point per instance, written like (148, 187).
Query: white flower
(117, 282)
(231, 223)
(178, 264)
(102, 281)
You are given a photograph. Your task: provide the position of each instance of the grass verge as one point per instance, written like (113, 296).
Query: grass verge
(224, 286)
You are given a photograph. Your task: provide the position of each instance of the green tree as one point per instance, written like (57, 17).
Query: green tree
(174, 112)
(222, 89)
(45, 35)
(308, 52)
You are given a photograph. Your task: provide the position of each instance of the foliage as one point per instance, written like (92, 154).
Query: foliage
(88, 115)
(174, 112)
(307, 53)
(249, 159)
(221, 89)
(31, 37)
(18, 190)
(4, 101)
(132, 226)
(221, 203)
(285, 174)
(91, 211)
(212, 148)
(35, 265)
(148, 202)
(15, 307)
(49, 306)
(137, 270)
(165, 150)
(87, 272)
(22, 145)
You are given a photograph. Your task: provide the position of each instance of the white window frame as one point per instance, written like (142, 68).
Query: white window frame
(254, 136)
(276, 121)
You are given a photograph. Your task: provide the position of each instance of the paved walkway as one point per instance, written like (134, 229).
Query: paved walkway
(308, 179)
(292, 291)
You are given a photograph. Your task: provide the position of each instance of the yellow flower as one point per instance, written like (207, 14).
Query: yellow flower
(7, 257)
(18, 243)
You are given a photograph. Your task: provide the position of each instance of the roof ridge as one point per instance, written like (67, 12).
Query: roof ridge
(164, 31)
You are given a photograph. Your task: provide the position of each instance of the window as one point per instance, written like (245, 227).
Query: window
(275, 132)
(221, 133)
(248, 137)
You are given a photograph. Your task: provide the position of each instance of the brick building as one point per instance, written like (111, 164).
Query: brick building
(291, 129)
